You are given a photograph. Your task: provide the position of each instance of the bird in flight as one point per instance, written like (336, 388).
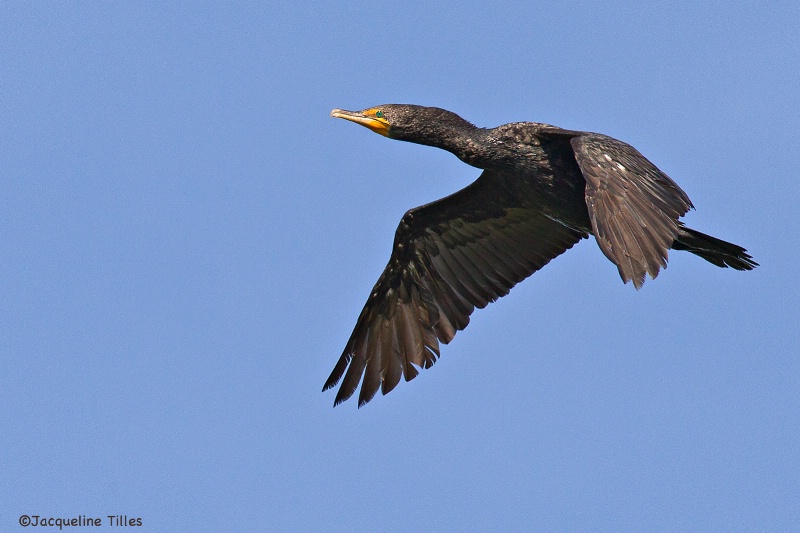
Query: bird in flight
(542, 190)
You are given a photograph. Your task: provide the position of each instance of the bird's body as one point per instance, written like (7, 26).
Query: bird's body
(542, 190)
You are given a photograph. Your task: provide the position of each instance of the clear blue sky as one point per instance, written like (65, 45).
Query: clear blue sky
(187, 238)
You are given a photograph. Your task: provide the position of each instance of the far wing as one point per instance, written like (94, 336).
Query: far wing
(449, 256)
(634, 207)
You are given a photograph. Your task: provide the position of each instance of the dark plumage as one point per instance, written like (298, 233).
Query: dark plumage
(542, 190)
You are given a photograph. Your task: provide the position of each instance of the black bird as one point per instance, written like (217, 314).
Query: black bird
(542, 190)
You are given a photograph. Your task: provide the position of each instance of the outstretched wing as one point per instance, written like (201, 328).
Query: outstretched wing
(449, 257)
(633, 206)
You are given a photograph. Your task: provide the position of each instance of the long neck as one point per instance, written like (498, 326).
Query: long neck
(446, 130)
(469, 144)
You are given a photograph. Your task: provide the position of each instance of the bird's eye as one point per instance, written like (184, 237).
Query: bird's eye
(379, 114)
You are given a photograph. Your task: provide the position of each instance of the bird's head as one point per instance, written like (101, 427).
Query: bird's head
(405, 122)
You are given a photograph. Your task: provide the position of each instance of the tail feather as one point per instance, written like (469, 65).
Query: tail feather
(715, 251)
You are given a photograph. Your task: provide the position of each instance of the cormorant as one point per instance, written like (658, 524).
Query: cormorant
(542, 190)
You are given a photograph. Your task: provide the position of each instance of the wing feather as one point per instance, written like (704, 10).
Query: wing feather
(634, 207)
(449, 257)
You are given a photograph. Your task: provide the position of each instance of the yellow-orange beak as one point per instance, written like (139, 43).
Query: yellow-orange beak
(370, 118)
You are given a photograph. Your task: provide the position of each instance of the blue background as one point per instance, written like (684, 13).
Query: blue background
(187, 238)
